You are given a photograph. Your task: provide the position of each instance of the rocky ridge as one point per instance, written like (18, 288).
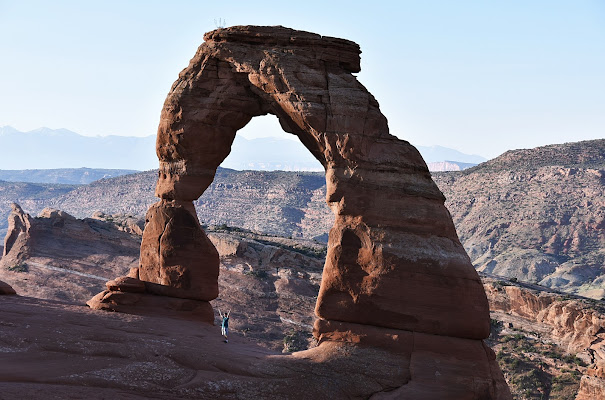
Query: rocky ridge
(56, 256)
(548, 343)
(521, 218)
(273, 202)
(536, 215)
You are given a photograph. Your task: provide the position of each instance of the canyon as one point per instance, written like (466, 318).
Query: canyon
(546, 342)
(535, 214)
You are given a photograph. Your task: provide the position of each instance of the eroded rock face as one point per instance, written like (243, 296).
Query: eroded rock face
(19, 224)
(576, 325)
(394, 260)
(176, 253)
(592, 385)
(59, 257)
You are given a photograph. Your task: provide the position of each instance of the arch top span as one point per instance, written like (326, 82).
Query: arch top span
(394, 259)
(303, 78)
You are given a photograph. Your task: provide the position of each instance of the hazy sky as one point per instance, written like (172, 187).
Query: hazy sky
(478, 76)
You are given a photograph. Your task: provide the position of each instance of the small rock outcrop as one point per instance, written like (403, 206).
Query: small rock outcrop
(19, 224)
(592, 385)
(396, 275)
(57, 256)
(5, 288)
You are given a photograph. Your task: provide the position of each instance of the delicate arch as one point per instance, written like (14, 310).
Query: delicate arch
(394, 259)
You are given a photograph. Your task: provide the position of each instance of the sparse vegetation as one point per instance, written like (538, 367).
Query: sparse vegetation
(535, 369)
(19, 267)
(260, 274)
(295, 341)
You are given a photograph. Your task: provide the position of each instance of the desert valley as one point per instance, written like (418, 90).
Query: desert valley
(270, 229)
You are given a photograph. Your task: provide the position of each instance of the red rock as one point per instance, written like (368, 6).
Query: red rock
(592, 385)
(5, 288)
(126, 284)
(176, 254)
(438, 367)
(153, 305)
(394, 258)
(19, 224)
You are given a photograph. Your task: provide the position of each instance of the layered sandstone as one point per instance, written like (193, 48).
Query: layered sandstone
(575, 324)
(394, 259)
(396, 276)
(57, 256)
(537, 215)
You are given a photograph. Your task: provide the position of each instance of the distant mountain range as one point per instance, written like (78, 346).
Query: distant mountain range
(70, 176)
(46, 148)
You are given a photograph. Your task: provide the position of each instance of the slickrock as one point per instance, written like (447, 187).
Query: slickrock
(394, 261)
(57, 256)
(59, 351)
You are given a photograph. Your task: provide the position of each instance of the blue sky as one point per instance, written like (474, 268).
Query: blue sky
(478, 76)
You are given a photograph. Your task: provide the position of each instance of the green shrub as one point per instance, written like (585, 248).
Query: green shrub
(257, 274)
(19, 267)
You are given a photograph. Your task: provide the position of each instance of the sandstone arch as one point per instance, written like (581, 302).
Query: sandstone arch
(396, 277)
(394, 259)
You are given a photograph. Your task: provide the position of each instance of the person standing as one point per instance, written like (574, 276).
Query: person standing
(225, 324)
